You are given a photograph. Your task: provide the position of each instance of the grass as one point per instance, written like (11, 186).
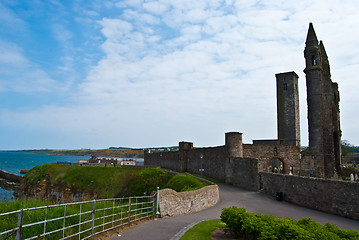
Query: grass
(203, 230)
(113, 210)
(182, 183)
(102, 182)
(107, 182)
(208, 178)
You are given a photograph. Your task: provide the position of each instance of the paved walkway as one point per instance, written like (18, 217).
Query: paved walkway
(171, 228)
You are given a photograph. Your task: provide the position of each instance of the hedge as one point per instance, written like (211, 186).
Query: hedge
(255, 226)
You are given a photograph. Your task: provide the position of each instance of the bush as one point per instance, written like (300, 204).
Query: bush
(262, 227)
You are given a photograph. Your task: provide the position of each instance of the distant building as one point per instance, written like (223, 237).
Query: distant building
(129, 162)
(81, 161)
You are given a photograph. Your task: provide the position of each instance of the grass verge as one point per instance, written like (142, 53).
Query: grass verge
(203, 230)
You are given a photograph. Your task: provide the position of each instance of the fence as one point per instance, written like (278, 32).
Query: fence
(78, 220)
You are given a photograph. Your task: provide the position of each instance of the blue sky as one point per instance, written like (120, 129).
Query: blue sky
(96, 74)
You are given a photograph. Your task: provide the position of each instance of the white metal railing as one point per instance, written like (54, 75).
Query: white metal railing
(77, 220)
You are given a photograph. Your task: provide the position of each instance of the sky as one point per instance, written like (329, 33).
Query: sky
(138, 73)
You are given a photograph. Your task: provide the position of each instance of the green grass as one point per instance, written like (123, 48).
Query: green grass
(103, 208)
(106, 182)
(103, 182)
(203, 230)
(182, 183)
(208, 178)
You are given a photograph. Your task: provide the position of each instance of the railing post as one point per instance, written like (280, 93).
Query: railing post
(93, 218)
(158, 199)
(129, 210)
(80, 221)
(19, 224)
(45, 221)
(64, 223)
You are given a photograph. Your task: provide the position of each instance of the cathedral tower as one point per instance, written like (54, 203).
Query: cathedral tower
(323, 109)
(288, 119)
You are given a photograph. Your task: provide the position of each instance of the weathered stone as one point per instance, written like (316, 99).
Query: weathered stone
(174, 203)
(328, 195)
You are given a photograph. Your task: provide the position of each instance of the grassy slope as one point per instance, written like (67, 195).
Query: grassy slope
(107, 182)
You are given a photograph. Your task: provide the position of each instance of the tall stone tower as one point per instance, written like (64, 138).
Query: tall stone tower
(288, 119)
(323, 109)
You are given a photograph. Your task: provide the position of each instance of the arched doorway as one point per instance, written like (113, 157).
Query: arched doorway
(276, 165)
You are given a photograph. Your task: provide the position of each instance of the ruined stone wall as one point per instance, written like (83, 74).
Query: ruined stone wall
(169, 160)
(210, 160)
(332, 196)
(290, 155)
(174, 203)
(245, 173)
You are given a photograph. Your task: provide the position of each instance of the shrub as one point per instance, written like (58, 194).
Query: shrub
(263, 227)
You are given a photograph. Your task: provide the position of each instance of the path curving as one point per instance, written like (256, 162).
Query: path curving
(172, 228)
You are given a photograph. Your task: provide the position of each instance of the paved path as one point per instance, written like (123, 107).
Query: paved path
(171, 228)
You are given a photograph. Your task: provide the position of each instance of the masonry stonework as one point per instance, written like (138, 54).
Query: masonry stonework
(174, 203)
(288, 119)
(332, 196)
(324, 151)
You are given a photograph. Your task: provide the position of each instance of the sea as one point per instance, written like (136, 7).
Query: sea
(13, 162)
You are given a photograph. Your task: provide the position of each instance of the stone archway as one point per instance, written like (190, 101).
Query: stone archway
(275, 165)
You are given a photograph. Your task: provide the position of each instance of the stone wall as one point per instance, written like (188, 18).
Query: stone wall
(288, 154)
(174, 203)
(210, 160)
(169, 160)
(332, 196)
(245, 174)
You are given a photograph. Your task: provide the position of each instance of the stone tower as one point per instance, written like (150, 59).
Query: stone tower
(288, 119)
(323, 109)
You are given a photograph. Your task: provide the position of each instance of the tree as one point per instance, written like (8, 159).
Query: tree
(347, 148)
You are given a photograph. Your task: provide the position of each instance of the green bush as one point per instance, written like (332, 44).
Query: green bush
(263, 227)
(182, 183)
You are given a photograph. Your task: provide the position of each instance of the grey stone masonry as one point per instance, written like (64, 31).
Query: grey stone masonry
(328, 195)
(323, 110)
(288, 118)
(174, 203)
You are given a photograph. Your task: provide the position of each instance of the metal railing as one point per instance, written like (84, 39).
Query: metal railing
(78, 220)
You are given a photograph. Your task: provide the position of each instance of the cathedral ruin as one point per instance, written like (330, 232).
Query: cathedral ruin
(236, 162)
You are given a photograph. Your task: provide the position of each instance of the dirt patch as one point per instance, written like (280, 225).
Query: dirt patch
(221, 234)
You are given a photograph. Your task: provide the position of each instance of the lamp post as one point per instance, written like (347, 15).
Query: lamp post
(201, 170)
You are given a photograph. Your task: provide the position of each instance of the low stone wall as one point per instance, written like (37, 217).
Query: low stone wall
(332, 196)
(174, 203)
(10, 176)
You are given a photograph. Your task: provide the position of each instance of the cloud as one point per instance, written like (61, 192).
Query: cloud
(18, 74)
(9, 20)
(192, 70)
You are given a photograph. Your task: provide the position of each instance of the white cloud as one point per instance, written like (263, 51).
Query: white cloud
(9, 20)
(18, 74)
(191, 70)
